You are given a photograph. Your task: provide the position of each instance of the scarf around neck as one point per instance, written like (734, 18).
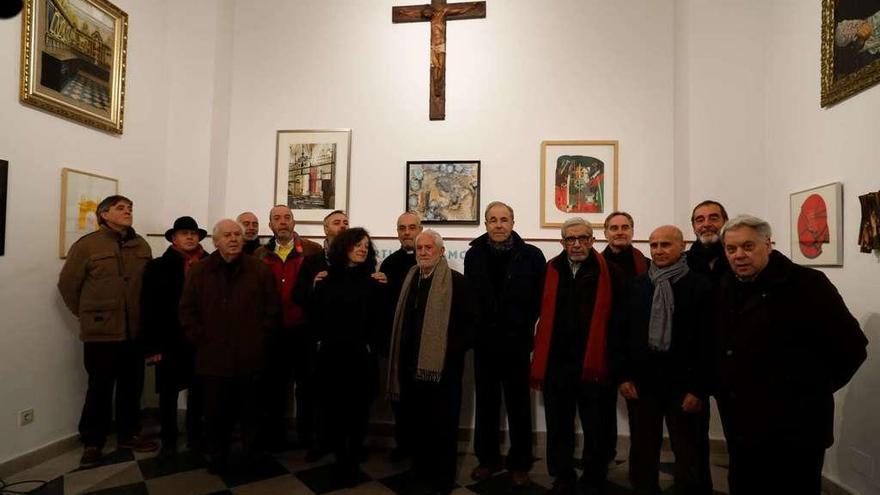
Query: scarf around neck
(189, 259)
(663, 302)
(435, 327)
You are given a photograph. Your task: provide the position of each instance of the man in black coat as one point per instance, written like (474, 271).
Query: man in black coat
(165, 341)
(507, 276)
(432, 331)
(395, 267)
(661, 360)
(785, 343)
(706, 255)
(619, 229)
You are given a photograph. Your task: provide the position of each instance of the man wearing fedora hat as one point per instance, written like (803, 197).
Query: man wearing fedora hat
(165, 342)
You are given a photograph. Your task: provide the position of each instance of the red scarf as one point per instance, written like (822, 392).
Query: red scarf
(595, 357)
(190, 259)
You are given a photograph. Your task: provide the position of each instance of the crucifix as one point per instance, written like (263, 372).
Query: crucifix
(438, 12)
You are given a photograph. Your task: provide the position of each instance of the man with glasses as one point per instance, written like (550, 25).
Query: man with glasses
(582, 294)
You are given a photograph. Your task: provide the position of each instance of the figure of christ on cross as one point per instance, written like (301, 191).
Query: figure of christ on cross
(438, 12)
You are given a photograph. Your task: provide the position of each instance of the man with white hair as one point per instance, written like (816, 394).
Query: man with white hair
(785, 343)
(580, 309)
(229, 303)
(433, 328)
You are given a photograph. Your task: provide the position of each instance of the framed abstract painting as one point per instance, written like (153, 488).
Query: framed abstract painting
(578, 178)
(817, 226)
(444, 191)
(80, 194)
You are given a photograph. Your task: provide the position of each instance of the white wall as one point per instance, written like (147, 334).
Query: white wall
(168, 120)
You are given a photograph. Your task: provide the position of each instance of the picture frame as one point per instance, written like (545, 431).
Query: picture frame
(850, 48)
(81, 192)
(312, 172)
(4, 189)
(578, 178)
(73, 60)
(444, 192)
(816, 226)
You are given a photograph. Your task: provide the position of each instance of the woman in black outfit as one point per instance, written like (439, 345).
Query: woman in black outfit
(348, 308)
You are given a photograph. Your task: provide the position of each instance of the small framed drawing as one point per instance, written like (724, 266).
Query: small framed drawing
(444, 192)
(312, 172)
(73, 56)
(578, 178)
(80, 194)
(850, 48)
(817, 226)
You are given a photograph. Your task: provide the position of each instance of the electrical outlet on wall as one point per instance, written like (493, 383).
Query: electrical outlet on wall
(26, 417)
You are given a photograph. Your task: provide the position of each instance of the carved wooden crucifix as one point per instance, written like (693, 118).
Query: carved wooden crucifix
(438, 12)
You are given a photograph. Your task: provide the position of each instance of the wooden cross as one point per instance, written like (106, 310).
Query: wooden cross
(438, 12)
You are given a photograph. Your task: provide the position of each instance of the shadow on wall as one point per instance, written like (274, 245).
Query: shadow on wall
(859, 442)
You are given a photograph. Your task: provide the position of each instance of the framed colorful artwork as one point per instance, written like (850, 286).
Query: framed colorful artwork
(817, 226)
(73, 56)
(80, 194)
(578, 178)
(444, 191)
(850, 48)
(869, 227)
(312, 172)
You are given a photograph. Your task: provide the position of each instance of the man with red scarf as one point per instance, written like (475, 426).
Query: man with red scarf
(582, 294)
(165, 341)
(289, 348)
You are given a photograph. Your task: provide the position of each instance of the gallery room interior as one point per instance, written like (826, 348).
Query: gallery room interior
(705, 99)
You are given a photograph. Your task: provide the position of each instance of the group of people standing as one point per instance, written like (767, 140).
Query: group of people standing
(727, 317)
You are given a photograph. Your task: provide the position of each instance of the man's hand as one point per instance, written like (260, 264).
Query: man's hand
(691, 404)
(380, 277)
(320, 276)
(628, 391)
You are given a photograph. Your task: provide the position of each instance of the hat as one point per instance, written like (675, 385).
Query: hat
(185, 223)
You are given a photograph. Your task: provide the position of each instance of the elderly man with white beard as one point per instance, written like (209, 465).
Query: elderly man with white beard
(432, 331)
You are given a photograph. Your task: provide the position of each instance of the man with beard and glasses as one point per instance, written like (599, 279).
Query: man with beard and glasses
(706, 255)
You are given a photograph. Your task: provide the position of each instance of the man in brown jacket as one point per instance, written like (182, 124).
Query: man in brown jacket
(229, 303)
(101, 285)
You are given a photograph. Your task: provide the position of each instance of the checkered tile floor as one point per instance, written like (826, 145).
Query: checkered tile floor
(87, 90)
(123, 472)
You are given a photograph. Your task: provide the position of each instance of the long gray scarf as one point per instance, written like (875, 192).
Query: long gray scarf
(663, 304)
(432, 345)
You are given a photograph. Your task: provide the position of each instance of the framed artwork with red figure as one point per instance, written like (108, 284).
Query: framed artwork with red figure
(578, 178)
(817, 226)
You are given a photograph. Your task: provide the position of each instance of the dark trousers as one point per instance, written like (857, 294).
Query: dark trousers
(504, 371)
(763, 469)
(687, 434)
(430, 413)
(229, 400)
(168, 392)
(290, 358)
(564, 399)
(109, 365)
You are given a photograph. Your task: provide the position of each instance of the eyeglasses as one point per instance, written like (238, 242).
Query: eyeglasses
(571, 240)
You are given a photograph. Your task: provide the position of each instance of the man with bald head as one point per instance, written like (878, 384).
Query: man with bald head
(661, 360)
(251, 227)
(228, 306)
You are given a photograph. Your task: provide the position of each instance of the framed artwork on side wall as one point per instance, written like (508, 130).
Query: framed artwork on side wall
(850, 48)
(312, 170)
(73, 56)
(869, 227)
(80, 194)
(817, 226)
(4, 182)
(578, 178)
(444, 192)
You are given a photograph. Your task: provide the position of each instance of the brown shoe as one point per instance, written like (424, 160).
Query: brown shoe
(481, 473)
(520, 478)
(91, 456)
(138, 444)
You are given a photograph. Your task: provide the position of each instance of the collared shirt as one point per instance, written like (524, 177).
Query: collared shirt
(282, 251)
(575, 266)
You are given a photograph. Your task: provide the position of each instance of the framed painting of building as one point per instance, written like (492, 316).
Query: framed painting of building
(578, 178)
(444, 191)
(80, 194)
(850, 48)
(73, 56)
(312, 172)
(817, 226)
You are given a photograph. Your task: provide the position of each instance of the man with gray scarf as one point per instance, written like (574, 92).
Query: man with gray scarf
(661, 359)
(432, 331)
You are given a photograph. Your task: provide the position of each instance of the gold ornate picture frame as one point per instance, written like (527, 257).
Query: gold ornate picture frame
(73, 56)
(850, 48)
(578, 179)
(81, 192)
